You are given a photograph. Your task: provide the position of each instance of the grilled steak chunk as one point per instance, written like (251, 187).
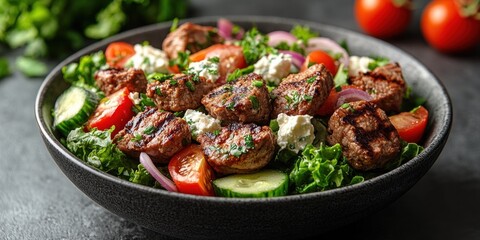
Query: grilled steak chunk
(113, 79)
(179, 92)
(302, 93)
(385, 84)
(238, 148)
(246, 100)
(159, 134)
(368, 138)
(190, 37)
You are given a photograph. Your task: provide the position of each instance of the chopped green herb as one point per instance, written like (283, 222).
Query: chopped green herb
(214, 59)
(136, 137)
(257, 83)
(158, 91)
(274, 125)
(312, 79)
(149, 130)
(255, 45)
(161, 77)
(239, 72)
(254, 100)
(216, 132)
(341, 78)
(377, 62)
(181, 61)
(231, 106)
(249, 143)
(308, 98)
(190, 86)
(173, 82)
(174, 25)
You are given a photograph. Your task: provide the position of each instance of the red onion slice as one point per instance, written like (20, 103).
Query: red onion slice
(225, 29)
(166, 183)
(327, 44)
(351, 95)
(297, 58)
(276, 37)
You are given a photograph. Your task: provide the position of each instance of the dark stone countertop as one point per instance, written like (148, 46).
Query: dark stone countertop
(38, 202)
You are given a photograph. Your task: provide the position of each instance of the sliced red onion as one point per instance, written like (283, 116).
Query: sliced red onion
(351, 95)
(276, 37)
(225, 29)
(166, 183)
(297, 58)
(327, 44)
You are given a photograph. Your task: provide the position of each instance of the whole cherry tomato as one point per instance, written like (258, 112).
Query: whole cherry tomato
(383, 18)
(448, 27)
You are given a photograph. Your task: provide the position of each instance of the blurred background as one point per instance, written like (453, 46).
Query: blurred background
(38, 202)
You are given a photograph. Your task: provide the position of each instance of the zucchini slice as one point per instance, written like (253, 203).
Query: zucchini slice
(73, 108)
(265, 183)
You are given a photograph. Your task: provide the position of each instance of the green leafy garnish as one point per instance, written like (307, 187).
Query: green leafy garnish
(82, 74)
(31, 67)
(303, 33)
(320, 169)
(239, 72)
(377, 62)
(254, 101)
(341, 78)
(255, 45)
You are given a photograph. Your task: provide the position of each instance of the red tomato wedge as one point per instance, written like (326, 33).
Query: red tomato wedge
(117, 53)
(319, 56)
(114, 110)
(190, 171)
(230, 56)
(411, 125)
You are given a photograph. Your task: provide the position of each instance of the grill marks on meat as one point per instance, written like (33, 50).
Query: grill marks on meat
(385, 84)
(190, 37)
(240, 101)
(113, 79)
(368, 139)
(239, 148)
(302, 93)
(159, 134)
(179, 93)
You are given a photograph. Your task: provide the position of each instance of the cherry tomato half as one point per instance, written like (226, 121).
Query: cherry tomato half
(190, 171)
(230, 56)
(411, 125)
(116, 109)
(445, 29)
(117, 53)
(319, 56)
(383, 18)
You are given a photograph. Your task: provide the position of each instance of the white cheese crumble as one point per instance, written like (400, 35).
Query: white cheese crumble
(149, 59)
(273, 67)
(358, 64)
(295, 132)
(200, 123)
(135, 97)
(207, 68)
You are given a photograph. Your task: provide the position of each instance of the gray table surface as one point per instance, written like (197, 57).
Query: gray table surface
(38, 202)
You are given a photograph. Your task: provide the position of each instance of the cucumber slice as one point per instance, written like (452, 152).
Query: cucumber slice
(73, 108)
(266, 183)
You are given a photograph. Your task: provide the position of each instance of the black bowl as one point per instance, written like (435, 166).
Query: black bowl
(188, 216)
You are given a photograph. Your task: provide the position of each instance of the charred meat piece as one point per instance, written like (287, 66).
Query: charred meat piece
(246, 100)
(238, 148)
(159, 134)
(113, 79)
(190, 37)
(385, 84)
(302, 93)
(178, 92)
(368, 138)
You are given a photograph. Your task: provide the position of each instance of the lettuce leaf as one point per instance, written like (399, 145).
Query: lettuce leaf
(320, 169)
(97, 149)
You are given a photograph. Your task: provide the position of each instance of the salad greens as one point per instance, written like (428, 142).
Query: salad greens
(255, 45)
(97, 149)
(56, 28)
(322, 168)
(82, 74)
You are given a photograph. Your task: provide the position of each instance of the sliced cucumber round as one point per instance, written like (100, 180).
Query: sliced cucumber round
(73, 108)
(266, 183)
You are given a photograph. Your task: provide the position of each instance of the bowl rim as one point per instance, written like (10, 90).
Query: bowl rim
(437, 140)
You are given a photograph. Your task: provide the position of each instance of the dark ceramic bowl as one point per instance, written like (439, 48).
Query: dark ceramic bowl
(188, 216)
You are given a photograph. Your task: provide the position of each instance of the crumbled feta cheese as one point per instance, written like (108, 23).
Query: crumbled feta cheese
(273, 67)
(149, 59)
(358, 64)
(295, 132)
(207, 68)
(200, 123)
(135, 97)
